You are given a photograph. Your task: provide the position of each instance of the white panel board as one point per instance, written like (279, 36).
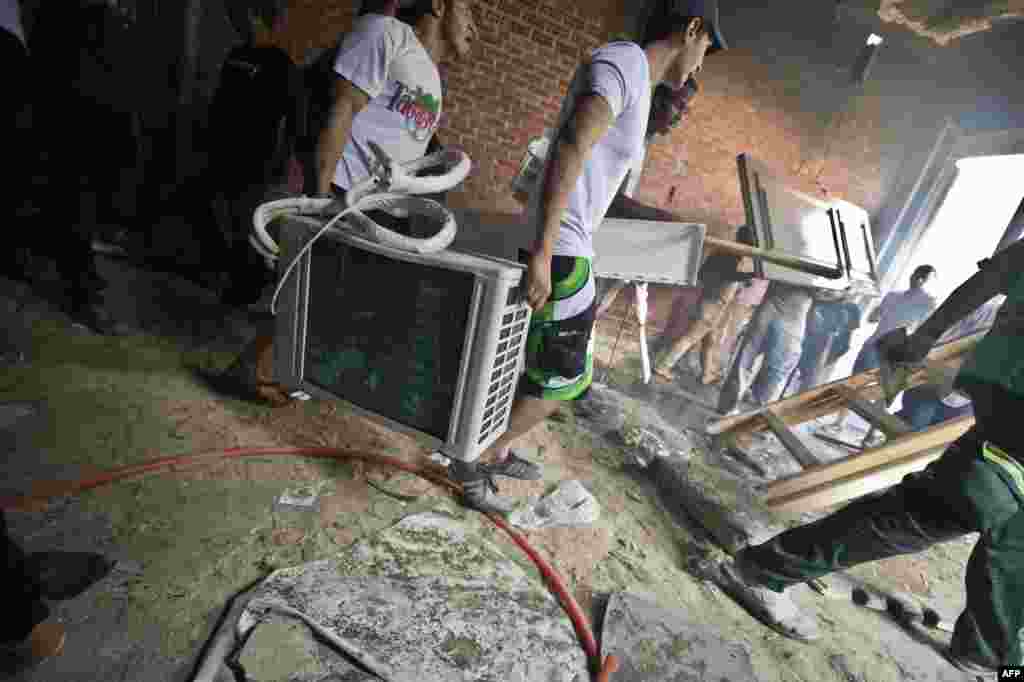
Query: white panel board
(635, 250)
(859, 246)
(789, 221)
(649, 251)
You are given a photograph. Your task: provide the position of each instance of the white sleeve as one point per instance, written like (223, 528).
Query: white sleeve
(365, 56)
(604, 78)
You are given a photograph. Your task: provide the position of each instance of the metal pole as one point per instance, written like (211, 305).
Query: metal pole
(808, 265)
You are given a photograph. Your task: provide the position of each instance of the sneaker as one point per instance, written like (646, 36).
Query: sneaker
(478, 488)
(777, 610)
(662, 374)
(968, 666)
(514, 467)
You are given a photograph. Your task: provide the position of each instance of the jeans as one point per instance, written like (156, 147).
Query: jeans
(771, 337)
(868, 358)
(966, 490)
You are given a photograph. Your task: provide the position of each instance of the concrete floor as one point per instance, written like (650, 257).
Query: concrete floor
(103, 644)
(116, 632)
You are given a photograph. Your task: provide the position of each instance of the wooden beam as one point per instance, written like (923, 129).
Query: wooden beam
(891, 425)
(895, 450)
(790, 441)
(855, 485)
(823, 400)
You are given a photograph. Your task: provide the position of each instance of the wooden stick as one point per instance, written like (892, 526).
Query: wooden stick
(856, 485)
(791, 441)
(809, 265)
(891, 425)
(822, 400)
(896, 450)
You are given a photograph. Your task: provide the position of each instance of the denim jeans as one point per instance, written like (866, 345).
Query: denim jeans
(868, 358)
(781, 347)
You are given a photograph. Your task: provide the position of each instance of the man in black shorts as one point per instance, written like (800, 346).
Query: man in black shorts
(601, 132)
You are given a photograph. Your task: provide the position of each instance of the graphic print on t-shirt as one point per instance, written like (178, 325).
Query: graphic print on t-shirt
(419, 108)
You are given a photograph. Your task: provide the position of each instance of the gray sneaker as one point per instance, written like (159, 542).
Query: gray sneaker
(777, 610)
(514, 466)
(478, 488)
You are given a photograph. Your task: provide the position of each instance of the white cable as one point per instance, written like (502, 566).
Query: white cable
(374, 232)
(402, 180)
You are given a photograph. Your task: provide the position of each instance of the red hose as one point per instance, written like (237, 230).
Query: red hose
(181, 462)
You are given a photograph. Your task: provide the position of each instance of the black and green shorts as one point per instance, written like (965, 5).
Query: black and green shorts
(560, 343)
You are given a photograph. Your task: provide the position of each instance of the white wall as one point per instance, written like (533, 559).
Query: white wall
(971, 221)
(966, 228)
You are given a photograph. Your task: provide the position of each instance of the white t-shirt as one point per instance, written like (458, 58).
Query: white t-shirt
(619, 73)
(383, 57)
(10, 19)
(903, 309)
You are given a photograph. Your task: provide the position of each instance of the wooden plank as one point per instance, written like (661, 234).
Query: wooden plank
(891, 425)
(823, 400)
(790, 440)
(897, 449)
(856, 485)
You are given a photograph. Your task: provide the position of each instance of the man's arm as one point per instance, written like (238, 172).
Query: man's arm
(587, 124)
(348, 101)
(590, 121)
(995, 277)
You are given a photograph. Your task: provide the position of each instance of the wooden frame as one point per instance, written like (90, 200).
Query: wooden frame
(824, 485)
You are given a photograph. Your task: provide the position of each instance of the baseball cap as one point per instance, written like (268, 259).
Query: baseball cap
(705, 9)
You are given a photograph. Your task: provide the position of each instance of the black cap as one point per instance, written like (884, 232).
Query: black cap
(706, 10)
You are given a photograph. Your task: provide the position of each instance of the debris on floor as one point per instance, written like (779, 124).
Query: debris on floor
(654, 644)
(430, 598)
(570, 504)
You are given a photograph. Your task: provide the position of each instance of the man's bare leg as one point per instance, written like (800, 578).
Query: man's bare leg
(476, 476)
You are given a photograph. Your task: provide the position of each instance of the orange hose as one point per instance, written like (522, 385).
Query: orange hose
(181, 462)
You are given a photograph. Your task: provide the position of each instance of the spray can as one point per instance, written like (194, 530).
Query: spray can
(529, 175)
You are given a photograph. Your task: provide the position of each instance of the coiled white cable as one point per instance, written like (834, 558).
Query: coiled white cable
(401, 182)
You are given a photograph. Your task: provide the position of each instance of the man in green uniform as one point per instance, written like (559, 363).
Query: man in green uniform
(977, 486)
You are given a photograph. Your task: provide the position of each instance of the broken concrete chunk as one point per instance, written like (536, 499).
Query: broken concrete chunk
(733, 526)
(304, 498)
(602, 409)
(429, 598)
(570, 504)
(280, 649)
(655, 644)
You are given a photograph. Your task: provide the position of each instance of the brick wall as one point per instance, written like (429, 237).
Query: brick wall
(314, 25)
(512, 89)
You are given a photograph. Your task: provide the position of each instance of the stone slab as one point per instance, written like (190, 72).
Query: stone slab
(654, 644)
(732, 526)
(429, 598)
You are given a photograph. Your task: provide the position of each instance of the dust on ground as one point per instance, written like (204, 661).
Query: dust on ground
(203, 534)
